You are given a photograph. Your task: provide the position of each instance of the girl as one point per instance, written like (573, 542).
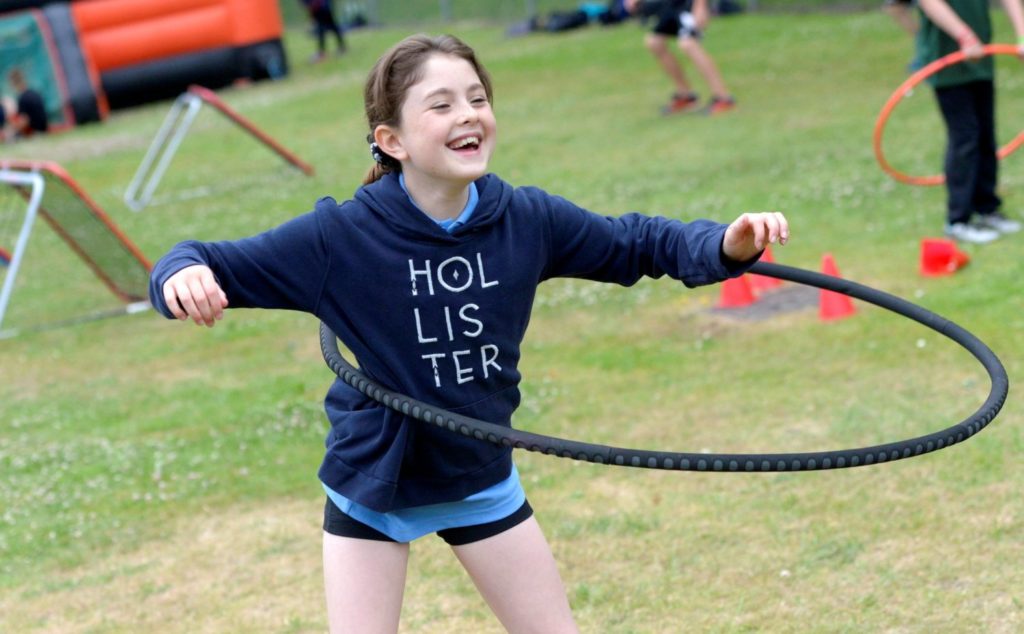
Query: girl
(428, 276)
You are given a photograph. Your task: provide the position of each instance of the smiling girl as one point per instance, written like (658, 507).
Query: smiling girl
(428, 275)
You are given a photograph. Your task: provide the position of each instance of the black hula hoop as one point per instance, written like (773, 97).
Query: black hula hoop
(670, 460)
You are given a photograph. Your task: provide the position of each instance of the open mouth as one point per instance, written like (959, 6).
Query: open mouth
(465, 144)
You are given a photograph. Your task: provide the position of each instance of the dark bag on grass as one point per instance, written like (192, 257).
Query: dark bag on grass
(565, 21)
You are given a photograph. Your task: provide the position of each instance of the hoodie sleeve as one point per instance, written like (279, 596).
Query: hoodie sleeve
(624, 249)
(284, 267)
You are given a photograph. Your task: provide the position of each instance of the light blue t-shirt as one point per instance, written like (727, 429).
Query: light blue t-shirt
(491, 504)
(449, 224)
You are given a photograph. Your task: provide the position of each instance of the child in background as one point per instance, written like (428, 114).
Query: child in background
(322, 14)
(30, 115)
(685, 21)
(966, 96)
(428, 275)
(902, 13)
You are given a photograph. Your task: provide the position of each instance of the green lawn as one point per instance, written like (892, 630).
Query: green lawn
(159, 477)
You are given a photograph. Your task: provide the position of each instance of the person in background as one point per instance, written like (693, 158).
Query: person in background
(30, 112)
(902, 13)
(685, 21)
(322, 14)
(966, 96)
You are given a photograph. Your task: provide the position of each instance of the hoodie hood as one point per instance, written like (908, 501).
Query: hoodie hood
(387, 199)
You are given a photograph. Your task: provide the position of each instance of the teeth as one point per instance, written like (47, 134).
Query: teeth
(470, 140)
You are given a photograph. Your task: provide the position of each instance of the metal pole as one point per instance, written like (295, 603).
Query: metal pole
(165, 144)
(35, 181)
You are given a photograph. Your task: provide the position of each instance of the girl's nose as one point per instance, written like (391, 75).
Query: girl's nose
(467, 113)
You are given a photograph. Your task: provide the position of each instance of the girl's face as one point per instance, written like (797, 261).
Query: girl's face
(448, 131)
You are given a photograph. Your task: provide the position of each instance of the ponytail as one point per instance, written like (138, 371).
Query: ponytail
(375, 173)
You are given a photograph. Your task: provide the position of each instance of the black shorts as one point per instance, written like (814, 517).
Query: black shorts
(676, 20)
(337, 522)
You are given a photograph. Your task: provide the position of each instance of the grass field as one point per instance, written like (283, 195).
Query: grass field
(158, 477)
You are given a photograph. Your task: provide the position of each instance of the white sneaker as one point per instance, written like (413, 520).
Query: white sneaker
(999, 222)
(971, 233)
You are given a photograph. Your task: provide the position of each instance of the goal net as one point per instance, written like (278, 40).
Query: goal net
(172, 132)
(43, 272)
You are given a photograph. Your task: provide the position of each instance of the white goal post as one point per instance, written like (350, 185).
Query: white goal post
(173, 130)
(19, 201)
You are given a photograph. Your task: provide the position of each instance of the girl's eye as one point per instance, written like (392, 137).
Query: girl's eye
(479, 101)
(439, 106)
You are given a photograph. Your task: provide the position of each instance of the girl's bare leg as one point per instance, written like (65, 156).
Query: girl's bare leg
(364, 581)
(516, 574)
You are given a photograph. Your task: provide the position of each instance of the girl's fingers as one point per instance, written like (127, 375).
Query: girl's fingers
(775, 227)
(216, 297)
(783, 227)
(202, 302)
(758, 232)
(171, 299)
(194, 293)
(184, 297)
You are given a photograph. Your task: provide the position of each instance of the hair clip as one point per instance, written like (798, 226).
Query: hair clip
(378, 155)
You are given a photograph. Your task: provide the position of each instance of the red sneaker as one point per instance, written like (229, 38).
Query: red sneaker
(719, 105)
(681, 103)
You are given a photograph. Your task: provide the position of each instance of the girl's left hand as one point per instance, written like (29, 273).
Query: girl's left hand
(749, 234)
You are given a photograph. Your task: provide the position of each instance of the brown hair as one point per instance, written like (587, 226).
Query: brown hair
(17, 79)
(395, 72)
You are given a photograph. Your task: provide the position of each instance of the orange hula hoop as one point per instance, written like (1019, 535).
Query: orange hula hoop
(912, 82)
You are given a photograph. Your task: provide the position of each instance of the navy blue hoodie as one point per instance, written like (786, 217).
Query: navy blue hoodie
(437, 316)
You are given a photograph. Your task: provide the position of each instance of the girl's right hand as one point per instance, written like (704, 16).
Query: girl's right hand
(970, 45)
(194, 292)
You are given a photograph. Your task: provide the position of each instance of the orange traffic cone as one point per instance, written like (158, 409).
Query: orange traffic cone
(759, 283)
(940, 256)
(832, 305)
(735, 293)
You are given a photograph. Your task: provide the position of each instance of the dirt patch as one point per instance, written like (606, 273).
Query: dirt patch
(785, 299)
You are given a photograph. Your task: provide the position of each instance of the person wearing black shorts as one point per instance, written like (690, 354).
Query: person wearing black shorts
(684, 21)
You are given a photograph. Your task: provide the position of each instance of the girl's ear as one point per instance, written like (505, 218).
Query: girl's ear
(390, 142)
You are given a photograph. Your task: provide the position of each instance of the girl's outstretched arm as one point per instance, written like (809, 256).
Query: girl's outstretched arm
(193, 292)
(749, 234)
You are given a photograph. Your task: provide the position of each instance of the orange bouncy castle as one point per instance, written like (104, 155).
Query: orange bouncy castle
(127, 52)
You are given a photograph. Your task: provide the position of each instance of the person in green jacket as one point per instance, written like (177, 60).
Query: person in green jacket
(966, 96)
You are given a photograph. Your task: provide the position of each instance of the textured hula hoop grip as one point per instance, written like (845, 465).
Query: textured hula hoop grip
(911, 83)
(603, 454)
